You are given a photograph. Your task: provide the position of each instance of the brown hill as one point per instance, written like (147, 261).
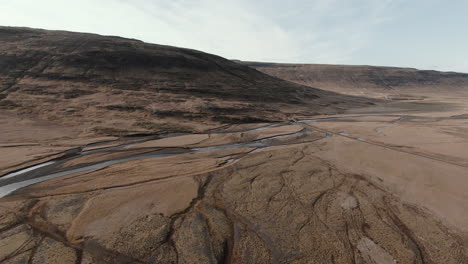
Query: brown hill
(390, 82)
(112, 85)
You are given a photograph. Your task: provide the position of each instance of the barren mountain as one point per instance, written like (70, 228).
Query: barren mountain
(111, 85)
(390, 82)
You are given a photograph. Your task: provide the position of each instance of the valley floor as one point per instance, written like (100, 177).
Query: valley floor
(380, 185)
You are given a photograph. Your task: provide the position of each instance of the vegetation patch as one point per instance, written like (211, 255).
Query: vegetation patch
(74, 93)
(126, 108)
(163, 127)
(240, 120)
(8, 104)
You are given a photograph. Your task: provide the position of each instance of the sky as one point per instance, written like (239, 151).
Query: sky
(423, 34)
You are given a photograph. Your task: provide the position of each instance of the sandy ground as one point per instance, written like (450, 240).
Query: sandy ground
(388, 188)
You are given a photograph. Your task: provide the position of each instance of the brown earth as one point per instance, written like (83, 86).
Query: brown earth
(114, 86)
(337, 200)
(378, 183)
(371, 81)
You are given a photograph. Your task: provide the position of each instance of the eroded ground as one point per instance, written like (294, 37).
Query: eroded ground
(358, 188)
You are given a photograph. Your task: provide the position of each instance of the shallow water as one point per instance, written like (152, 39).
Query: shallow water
(257, 144)
(9, 188)
(16, 173)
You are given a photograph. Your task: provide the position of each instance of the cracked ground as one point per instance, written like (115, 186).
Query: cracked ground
(288, 203)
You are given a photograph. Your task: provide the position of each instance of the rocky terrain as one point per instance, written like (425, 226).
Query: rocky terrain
(116, 86)
(117, 151)
(381, 82)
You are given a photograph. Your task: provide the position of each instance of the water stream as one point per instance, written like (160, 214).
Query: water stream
(8, 185)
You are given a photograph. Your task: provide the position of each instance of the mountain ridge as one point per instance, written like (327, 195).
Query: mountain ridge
(376, 81)
(90, 79)
(343, 65)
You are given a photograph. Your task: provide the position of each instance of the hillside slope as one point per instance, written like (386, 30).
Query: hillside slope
(114, 86)
(391, 82)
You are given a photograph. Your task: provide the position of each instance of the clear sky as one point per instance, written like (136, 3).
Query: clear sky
(425, 34)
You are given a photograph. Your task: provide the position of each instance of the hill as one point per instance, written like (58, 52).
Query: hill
(115, 86)
(389, 82)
